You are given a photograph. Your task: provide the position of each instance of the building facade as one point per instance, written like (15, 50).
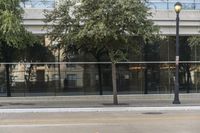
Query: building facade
(151, 72)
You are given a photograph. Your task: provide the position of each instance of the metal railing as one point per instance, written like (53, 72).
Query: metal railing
(169, 4)
(85, 78)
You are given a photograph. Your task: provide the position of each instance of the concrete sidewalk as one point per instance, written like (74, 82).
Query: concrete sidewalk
(94, 101)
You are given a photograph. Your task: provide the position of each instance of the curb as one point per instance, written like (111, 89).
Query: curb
(105, 109)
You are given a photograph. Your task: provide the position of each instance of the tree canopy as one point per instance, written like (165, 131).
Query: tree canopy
(12, 32)
(112, 26)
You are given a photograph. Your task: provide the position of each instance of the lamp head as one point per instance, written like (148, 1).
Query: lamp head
(178, 7)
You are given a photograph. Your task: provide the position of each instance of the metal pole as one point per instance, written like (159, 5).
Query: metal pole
(176, 91)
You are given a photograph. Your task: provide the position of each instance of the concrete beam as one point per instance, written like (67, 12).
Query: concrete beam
(165, 19)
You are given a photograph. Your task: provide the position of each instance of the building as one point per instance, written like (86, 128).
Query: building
(151, 72)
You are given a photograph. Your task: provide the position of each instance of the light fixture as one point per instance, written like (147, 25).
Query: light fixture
(178, 7)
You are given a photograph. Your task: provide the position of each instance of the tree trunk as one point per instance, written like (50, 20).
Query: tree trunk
(7, 58)
(100, 80)
(59, 72)
(145, 80)
(188, 78)
(114, 82)
(99, 75)
(8, 80)
(59, 75)
(27, 79)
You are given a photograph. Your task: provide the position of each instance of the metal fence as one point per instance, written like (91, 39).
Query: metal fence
(94, 78)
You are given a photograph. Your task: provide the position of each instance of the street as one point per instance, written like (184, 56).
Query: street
(102, 122)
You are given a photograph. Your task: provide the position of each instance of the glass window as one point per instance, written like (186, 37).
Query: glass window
(38, 3)
(71, 80)
(169, 4)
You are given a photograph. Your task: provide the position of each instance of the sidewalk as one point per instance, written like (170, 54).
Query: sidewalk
(96, 101)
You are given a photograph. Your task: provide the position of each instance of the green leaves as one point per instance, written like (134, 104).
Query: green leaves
(93, 25)
(11, 30)
(10, 27)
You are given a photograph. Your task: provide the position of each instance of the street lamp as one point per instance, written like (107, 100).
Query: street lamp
(177, 8)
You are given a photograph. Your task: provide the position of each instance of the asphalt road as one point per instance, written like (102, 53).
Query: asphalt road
(101, 122)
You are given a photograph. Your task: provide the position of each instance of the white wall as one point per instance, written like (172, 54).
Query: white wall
(166, 20)
(189, 21)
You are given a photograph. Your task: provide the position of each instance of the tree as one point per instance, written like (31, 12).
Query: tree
(12, 33)
(111, 26)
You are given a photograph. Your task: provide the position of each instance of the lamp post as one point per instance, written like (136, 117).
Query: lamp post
(177, 8)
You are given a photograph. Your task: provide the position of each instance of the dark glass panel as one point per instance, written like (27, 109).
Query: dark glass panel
(195, 53)
(2, 81)
(84, 79)
(185, 49)
(130, 78)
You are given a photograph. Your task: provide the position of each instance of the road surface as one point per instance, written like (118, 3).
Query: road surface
(101, 122)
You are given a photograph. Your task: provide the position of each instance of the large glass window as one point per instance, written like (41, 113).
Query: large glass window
(150, 71)
(164, 50)
(169, 4)
(154, 4)
(132, 78)
(38, 3)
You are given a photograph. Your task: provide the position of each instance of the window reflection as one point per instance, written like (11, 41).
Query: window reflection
(149, 71)
(38, 3)
(164, 50)
(153, 4)
(132, 78)
(169, 4)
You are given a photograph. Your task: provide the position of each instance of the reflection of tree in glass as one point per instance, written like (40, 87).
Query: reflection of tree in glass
(24, 2)
(188, 5)
(43, 3)
(185, 68)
